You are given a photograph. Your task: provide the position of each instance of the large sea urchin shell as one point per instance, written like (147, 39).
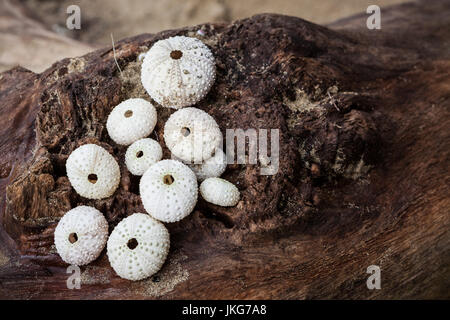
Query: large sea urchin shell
(81, 235)
(169, 190)
(178, 71)
(138, 247)
(220, 192)
(93, 172)
(192, 135)
(141, 155)
(131, 120)
(212, 167)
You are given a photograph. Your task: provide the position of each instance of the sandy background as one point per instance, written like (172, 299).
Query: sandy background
(99, 18)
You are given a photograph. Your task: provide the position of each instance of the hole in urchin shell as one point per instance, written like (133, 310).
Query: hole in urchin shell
(168, 179)
(132, 243)
(139, 154)
(128, 113)
(176, 54)
(73, 237)
(185, 131)
(92, 178)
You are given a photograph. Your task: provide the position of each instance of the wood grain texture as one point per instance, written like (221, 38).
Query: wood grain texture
(363, 178)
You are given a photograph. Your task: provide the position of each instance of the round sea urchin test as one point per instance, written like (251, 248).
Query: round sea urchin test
(212, 167)
(81, 235)
(131, 120)
(192, 135)
(178, 71)
(138, 247)
(93, 172)
(220, 192)
(141, 155)
(169, 190)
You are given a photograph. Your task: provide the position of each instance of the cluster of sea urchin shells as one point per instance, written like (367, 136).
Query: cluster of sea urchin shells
(176, 72)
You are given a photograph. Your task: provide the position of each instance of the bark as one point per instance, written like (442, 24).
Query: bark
(363, 173)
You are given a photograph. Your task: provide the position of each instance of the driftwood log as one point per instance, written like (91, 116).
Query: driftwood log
(364, 118)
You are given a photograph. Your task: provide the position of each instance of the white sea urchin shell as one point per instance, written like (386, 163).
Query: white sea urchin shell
(131, 120)
(138, 247)
(178, 71)
(220, 192)
(192, 135)
(141, 155)
(210, 168)
(169, 190)
(81, 235)
(93, 172)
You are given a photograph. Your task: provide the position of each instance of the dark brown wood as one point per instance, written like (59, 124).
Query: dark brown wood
(363, 178)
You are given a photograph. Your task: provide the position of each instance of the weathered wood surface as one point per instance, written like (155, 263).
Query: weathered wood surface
(364, 118)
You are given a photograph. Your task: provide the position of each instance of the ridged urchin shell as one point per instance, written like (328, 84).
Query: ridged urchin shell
(192, 135)
(220, 192)
(138, 247)
(178, 71)
(141, 155)
(212, 167)
(169, 190)
(131, 120)
(80, 235)
(93, 172)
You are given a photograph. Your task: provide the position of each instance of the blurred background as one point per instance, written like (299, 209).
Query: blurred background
(33, 33)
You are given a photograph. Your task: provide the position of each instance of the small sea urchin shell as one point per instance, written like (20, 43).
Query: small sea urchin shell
(169, 190)
(141, 155)
(131, 120)
(138, 247)
(212, 167)
(81, 235)
(178, 71)
(93, 172)
(220, 192)
(192, 135)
